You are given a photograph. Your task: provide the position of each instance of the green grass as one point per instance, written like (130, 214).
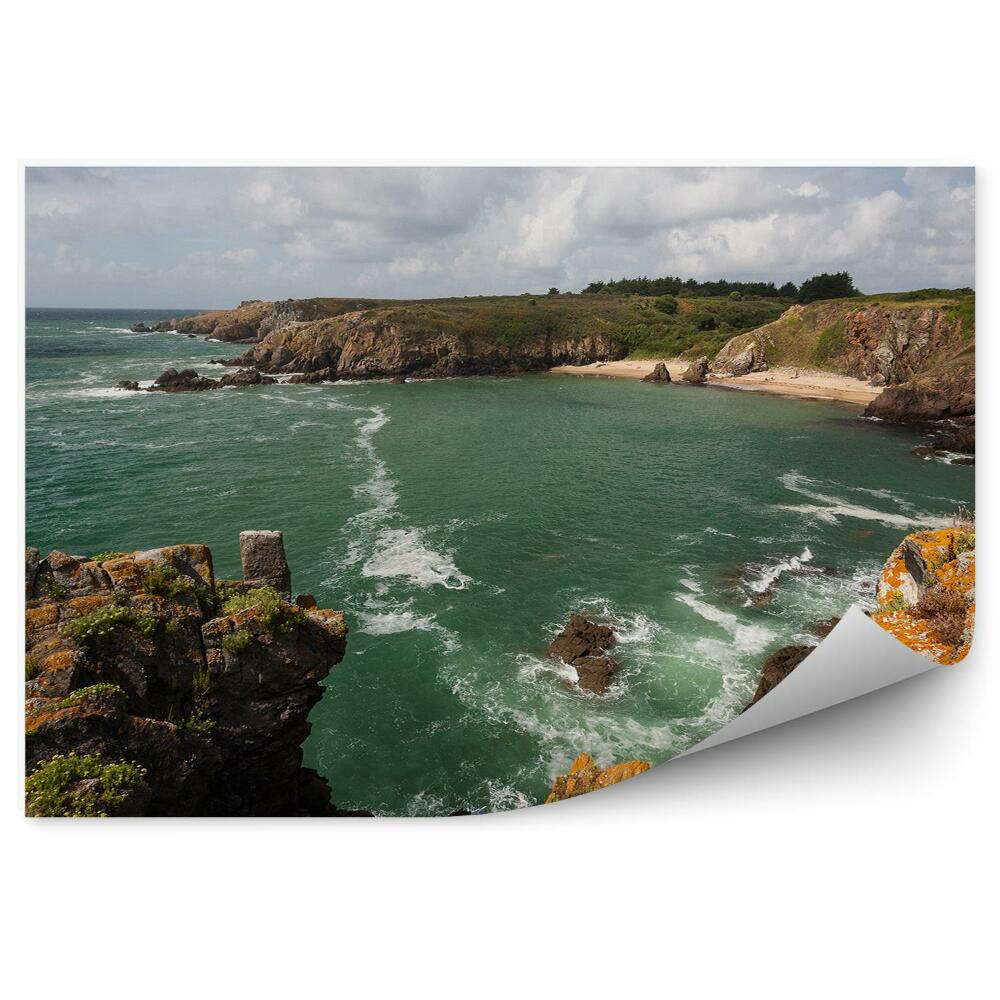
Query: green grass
(236, 642)
(74, 785)
(100, 626)
(31, 667)
(106, 556)
(832, 342)
(93, 692)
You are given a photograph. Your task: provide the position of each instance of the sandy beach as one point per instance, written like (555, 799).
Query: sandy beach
(801, 382)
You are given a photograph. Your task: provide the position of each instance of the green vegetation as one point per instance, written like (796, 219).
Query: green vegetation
(666, 304)
(689, 288)
(832, 342)
(894, 602)
(269, 609)
(965, 541)
(200, 725)
(165, 581)
(80, 786)
(101, 625)
(236, 642)
(51, 589)
(201, 682)
(828, 286)
(91, 692)
(106, 556)
(31, 667)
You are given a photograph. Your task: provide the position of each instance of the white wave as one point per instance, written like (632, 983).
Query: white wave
(745, 638)
(399, 620)
(831, 508)
(631, 627)
(401, 552)
(770, 574)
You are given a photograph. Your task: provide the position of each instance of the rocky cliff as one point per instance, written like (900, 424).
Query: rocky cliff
(927, 591)
(152, 688)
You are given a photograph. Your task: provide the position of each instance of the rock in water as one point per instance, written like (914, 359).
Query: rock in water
(585, 775)
(582, 644)
(262, 554)
(777, 667)
(696, 372)
(658, 374)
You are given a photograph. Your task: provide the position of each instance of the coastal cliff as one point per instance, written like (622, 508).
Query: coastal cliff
(585, 775)
(152, 688)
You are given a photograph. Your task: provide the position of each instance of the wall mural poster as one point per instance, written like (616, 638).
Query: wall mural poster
(452, 490)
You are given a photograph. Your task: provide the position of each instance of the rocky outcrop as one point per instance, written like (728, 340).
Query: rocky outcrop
(585, 776)
(189, 380)
(142, 672)
(777, 667)
(659, 374)
(937, 396)
(262, 555)
(163, 326)
(254, 319)
(582, 645)
(696, 372)
(926, 592)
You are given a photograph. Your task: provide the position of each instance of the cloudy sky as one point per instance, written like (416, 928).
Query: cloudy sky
(186, 237)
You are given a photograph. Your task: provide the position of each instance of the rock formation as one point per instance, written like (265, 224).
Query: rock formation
(777, 667)
(152, 689)
(585, 775)
(189, 380)
(658, 374)
(696, 372)
(927, 591)
(582, 644)
(262, 555)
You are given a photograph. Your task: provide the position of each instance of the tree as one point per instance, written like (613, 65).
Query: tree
(666, 304)
(789, 290)
(553, 291)
(828, 286)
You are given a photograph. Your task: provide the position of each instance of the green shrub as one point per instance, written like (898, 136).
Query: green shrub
(965, 541)
(165, 581)
(666, 304)
(894, 602)
(173, 627)
(271, 611)
(87, 693)
(51, 589)
(31, 667)
(106, 556)
(50, 790)
(100, 625)
(201, 682)
(236, 642)
(200, 725)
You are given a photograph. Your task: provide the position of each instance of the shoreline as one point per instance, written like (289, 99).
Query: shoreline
(801, 383)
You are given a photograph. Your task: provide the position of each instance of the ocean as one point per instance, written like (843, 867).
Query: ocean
(460, 522)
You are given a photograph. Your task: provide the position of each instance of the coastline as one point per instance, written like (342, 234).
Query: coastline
(801, 383)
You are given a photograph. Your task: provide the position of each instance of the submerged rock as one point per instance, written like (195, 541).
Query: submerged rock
(658, 374)
(582, 644)
(585, 776)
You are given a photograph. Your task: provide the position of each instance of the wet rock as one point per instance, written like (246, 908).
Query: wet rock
(129, 385)
(262, 554)
(306, 601)
(141, 328)
(659, 374)
(398, 380)
(777, 667)
(31, 560)
(187, 380)
(309, 378)
(247, 377)
(823, 629)
(582, 644)
(697, 372)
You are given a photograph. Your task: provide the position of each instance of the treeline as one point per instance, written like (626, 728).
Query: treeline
(691, 288)
(820, 286)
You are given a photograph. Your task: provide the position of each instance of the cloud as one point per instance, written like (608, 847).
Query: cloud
(213, 236)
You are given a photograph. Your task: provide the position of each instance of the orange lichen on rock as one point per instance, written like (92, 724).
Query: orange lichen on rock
(585, 775)
(927, 592)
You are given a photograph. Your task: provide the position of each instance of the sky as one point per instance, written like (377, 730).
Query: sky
(210, 237)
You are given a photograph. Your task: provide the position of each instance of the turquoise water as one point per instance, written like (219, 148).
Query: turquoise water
(460, 522)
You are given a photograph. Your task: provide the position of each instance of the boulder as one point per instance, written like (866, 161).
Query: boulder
(187, 380)
(582, 644)
(247, 376)
(129, 385)
(696, 372)
(659, 374)
(262, 554)
(141, 328)
(743, 363)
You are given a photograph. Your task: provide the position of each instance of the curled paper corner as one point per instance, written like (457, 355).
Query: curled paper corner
(856, 658)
